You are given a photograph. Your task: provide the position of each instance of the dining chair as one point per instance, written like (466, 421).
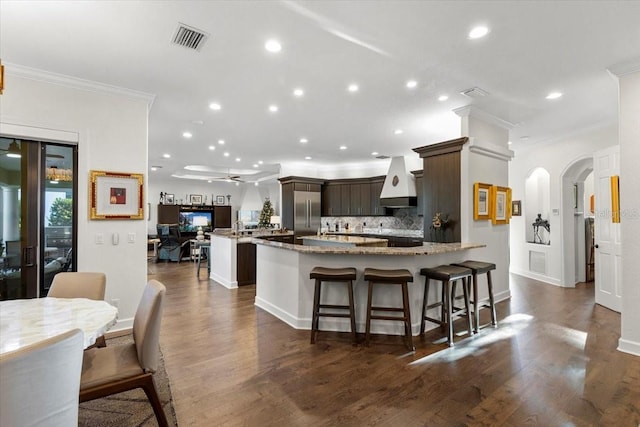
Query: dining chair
(39, 383)
(80, 284)
(114, 369)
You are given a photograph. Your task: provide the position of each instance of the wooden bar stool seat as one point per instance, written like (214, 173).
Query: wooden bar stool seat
(390, 277)
(479, 267)
(325, 274)
(447, 275)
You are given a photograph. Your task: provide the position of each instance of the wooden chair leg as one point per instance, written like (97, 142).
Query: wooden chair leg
(149, 388)
(425, 302)
(368, 325)
(352, 311)
(407, 317)
(315, 319)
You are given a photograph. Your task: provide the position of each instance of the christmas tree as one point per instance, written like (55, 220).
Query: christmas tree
(265, 215)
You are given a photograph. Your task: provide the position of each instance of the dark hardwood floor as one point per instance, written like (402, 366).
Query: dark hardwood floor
(552, 361)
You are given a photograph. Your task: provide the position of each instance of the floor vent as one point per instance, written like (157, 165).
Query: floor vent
(189, 37)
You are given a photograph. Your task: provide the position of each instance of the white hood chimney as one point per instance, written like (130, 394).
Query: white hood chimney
(399, 189)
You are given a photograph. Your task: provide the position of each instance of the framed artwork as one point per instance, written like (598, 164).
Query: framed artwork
(169, 199)
(219, 200)
(116, 195)
(516, 208)
(195, 199)
(481, 201)
(501, 208)
(615, 199)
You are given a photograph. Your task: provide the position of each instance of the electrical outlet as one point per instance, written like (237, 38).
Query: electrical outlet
(115, 302)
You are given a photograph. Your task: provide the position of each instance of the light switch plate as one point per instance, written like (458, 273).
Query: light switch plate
(131, 237)
(99, 239)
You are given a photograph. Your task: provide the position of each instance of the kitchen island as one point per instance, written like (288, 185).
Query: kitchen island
(343, 241)
(284, 289)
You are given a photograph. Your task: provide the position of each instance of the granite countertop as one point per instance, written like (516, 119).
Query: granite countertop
(427, 248)
(342, 240)
(380, 232)
(248, 234)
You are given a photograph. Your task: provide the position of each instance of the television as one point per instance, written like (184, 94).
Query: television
(186, 221)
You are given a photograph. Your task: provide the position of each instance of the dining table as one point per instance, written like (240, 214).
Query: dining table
(28, 321)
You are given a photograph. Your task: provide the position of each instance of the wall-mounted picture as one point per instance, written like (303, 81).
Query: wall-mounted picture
(115, 195)
(615, 199)
(169, 199)
(516, 208)
(501, 211)
(195, 199)
(219, 200)
(481, 201)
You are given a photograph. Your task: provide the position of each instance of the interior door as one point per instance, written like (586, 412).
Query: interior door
(608, 262)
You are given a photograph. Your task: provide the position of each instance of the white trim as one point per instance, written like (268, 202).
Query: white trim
(630, 347)
(625, 68)
(224, 282)
(538, 277)
(38, 133)
(490, 150)
(121, 325)
(76, 83)
(287, 318)
(473, 111)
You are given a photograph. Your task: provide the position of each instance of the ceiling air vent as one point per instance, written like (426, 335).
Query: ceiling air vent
(475, 92)
(189, 37)
(382, 156)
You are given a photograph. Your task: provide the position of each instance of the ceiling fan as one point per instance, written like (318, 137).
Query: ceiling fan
(14, 151)
(229, 177)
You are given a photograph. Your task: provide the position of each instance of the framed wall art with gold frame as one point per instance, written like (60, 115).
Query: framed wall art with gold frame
(501, 205)
(481, 201)
(116, 195)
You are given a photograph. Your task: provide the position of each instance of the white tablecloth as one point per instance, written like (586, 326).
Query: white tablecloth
(28, 321)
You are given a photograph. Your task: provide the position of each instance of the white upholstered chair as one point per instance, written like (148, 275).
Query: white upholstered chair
(40, 383)
(118, 368)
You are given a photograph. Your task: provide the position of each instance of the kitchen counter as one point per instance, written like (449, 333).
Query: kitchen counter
(245, 236)
(284, 289)
(343, 241)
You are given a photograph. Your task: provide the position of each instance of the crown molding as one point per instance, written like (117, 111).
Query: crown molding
(490, 150)
(625, 68)
(473, 111)
(76, 83)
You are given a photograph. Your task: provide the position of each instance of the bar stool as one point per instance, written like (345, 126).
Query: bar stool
(448, 275)
(479, 267)
(325, 274)
(203, 247)
(390, 277)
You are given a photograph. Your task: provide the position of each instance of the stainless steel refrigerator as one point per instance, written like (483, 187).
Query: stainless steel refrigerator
(306, 205)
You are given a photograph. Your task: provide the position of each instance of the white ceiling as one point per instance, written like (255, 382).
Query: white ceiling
(533, 48)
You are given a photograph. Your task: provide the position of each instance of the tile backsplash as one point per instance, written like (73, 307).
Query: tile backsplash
(402, 219)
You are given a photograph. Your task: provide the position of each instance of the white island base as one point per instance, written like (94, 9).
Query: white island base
(284, 289)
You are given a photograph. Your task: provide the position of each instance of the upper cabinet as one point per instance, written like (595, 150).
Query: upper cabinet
(375, 188)
(419, 190)
(352, 197)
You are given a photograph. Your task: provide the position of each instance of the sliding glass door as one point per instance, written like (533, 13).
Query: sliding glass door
(39, 210)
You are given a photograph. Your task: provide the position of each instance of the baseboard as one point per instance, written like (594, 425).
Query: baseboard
(287, 318)
(630, 347)
(224, 282)
(122, 327)
(535, 276)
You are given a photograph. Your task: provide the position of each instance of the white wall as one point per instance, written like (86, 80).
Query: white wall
(630, 210)
(106, 123)
(554, 157)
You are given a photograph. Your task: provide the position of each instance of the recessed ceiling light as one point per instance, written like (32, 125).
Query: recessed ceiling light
(260, 162)
(153, 168)
(303, 140)
(237, 159)
(298, 92)
(255, 165)
(255, 183)
(307, 158)
(215, 106)
(211, 147)
(187, 134)
(221, 141)
(166, 155)
(443, 98)
(412, 84)
(374, 153)
(478, 32)
(273, 45)
(209, 181)
(273, 108)
(554, 95)
(509, 142)
(353, 87)
(226, 154)
(398, 131)
(237, 183)
(343, 147)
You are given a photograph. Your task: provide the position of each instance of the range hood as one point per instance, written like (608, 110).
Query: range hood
(399, 189)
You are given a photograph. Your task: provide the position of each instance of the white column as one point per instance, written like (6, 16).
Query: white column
(629, 106)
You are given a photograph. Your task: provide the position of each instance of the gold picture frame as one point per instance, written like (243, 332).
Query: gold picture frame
(615, 199)
(116, 195)
(481, 201)
(501, 205)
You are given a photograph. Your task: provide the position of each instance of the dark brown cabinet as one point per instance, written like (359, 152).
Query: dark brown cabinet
(170, 214)
(375, 188)
(331, 199)
(352, 197)
(246, 264)
(419, 189)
